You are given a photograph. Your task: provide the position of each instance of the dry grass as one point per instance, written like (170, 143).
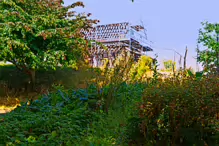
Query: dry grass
(9, 105)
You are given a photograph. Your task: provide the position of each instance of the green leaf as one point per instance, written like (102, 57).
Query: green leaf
(31, 31)
(190, 73)
(199, 74)
(54, 134)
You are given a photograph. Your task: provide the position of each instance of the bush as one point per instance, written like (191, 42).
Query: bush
(56, 119)
(179, 112)
(142, 68)
(111, 128)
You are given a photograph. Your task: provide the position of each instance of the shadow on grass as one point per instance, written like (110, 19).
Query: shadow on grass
(14, 83)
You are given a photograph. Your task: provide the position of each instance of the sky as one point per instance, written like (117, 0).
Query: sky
(170, 24)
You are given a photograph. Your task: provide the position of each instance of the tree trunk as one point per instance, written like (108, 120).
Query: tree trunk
(32, 78)
(217, 55)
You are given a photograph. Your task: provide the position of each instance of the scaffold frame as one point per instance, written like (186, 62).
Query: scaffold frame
(117, 37)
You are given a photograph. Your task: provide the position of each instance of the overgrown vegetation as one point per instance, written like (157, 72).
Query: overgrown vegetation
(114, 110)
(130, 104)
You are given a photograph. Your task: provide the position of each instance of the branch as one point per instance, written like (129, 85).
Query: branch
(20, 68)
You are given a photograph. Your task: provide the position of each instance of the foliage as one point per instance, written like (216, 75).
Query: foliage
(118, 107)
(68, 120)
(15, 84)
(209, 37)
(59, 118)
(169, 64)
(113, 110)
(197, 75)
(142, 67)
(41, 34)
(155, 71)
(112, 125)
(180, 112)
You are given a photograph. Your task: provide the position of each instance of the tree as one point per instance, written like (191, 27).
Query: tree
(169, 64)
(145, 64)
(209, 37)
(40, 34)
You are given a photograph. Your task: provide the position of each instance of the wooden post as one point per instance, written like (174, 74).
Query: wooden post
(174, 63)
(185, 58)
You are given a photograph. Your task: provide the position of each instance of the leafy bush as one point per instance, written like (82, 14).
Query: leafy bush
(111, 128)
(56, 119)
(179, 112)
(140, 69)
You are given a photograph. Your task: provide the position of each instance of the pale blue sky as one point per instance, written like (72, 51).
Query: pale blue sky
(171, 24)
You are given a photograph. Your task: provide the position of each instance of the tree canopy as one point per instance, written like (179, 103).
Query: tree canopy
(40, 34)
(169, 64)
(209, 37)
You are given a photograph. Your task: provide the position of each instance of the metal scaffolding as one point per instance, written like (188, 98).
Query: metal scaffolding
(117, 37)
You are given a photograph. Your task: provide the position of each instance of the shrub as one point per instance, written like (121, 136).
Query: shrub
(142, 68)
(56, 119)
(179, 112)
(111, 128)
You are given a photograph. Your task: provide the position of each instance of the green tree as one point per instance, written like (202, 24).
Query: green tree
(209, 37)
(41, 34)
(144, 64)
(169, 64)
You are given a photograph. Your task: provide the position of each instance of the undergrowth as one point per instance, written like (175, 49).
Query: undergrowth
(120, 108)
